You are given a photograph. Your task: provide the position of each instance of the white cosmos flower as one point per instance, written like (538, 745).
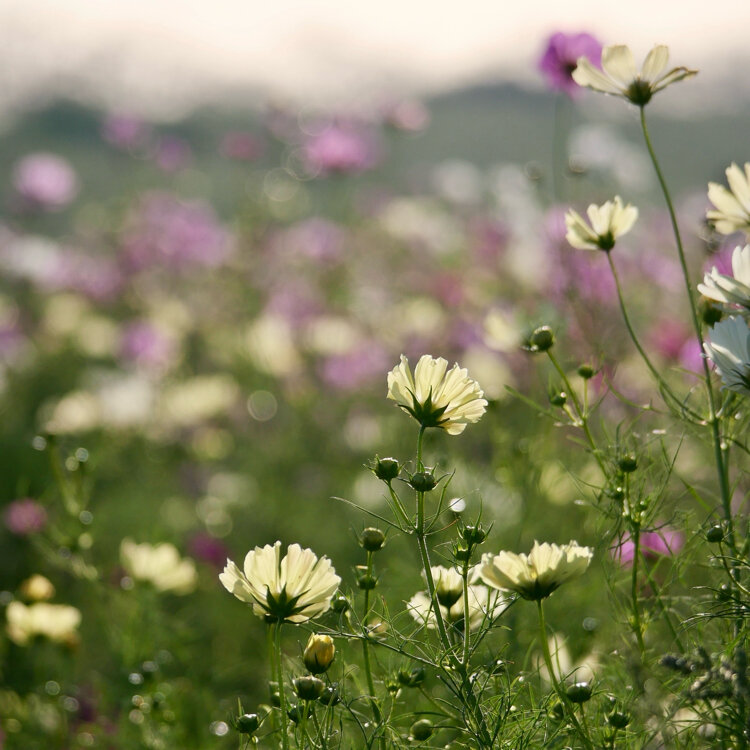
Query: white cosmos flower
(732, 212)
(294, 588)
(730, 289)
(536, 575)
(159, 565)
(728, 348)
(58, 622)
(436, 398)
(620, 77)
(606, 223)
(484, 603)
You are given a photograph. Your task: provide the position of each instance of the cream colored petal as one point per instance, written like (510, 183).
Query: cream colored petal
(674, 75)
(591, 77)
(579, 234)
(235, 583)
(655, 62)
(738, 184)
(618, 63)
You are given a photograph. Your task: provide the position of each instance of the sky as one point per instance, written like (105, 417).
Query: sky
(162, 57)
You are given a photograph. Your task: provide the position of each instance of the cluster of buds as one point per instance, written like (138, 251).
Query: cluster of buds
(470, 537)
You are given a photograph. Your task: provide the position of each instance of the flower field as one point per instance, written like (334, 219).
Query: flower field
(316, 435)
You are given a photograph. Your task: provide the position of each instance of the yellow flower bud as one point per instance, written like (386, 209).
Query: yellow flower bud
(319, 653)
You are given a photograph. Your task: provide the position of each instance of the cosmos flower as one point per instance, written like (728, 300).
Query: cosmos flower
(294, 588)
(561, 57)
(621, 78)
(606, 224)
(159, 565)
(732, 207)
(319, 653)
(536, 575)
(733, 289)
(435, 398)
(728, 348)
(57, 622)
(652, 544)
(25, 516)
(44, 181)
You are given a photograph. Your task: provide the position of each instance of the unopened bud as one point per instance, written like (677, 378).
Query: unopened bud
(309, 688)
(710, 313)
(372, 539)
(423, 481)
(366, 581)
(411, 678)
(473, 535)
(559, 398)
(618, 719)
(422, 730)
(339, 604)
(627, 464)
(715, 534)
(247, 723)
(319, 653)
(586, 371)
(540, 340)
(579, 693)
(386, 469)
(330, 696)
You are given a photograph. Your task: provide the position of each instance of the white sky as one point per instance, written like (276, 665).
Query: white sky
(166, 55)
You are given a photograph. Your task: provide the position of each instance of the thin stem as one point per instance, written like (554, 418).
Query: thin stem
(420, 438)
(719, 455)
(553, 678)
(637, 626)
(319, 730)
(282, 693)
(271, 644)
(467, 629)
(376, 714)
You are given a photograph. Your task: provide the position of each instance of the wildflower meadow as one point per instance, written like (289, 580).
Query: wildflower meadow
(311, 444)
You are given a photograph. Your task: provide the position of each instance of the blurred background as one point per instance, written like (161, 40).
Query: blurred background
(222, 223)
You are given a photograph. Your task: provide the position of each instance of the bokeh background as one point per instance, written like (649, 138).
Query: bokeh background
(221, 225)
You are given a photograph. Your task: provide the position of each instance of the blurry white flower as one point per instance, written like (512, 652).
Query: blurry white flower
(37, 588)
(197, 399)
(571, 672)
(732, 212)
(58, 622)
(436, 398)
(159, 565)
(294, 588)
(536, 575)
(606, 224)
(483, 603)
(620, 77)
(728, 348)
(732, 290)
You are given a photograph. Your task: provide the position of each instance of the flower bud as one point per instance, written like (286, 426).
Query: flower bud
(586, 371)
(386, 469)
(715, 534)
(319, 653)
(340, 604)
(473, 535)
(627, 464)
(710, 313)
(540, 340)
(309, 688)
(558, 399)
(37, 589)
(461, 554)
(247, 723)
(423, 481)
(579, 693)
(411, 678)
(556, 710)
(372, 539)
(422, 730)
(618, 719)
(366, 581)
(330, 696)
(273, 694)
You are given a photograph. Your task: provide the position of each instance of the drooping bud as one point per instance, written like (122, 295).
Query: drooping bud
(372, 539)
(319, 653)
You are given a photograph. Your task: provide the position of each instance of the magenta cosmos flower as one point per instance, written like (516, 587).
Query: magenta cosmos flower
(654, 544)
(25, 516)
(44, 182)
(560, 59)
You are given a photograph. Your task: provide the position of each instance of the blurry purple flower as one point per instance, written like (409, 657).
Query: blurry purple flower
(668, 337)
(408, 115)
(241, 146)
(44, 182)
(691, 355)
(99, 279)
(654, 544)
(125, 131)
(25, 516)
(560, 58)
(341, 148)
(295, 300)
(722, 259)
(166, 231)
(172, 153)
(488, 239)
(318, 239)
(353, 369)
(145, 345)
(206, 548)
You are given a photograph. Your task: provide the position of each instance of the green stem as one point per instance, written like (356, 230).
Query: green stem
(376, 714)
(420, 438)
(319, 730)
(557, 685)
(637, 626)
(465, 593)
(282, 693)
(713, 418)
(271, 644)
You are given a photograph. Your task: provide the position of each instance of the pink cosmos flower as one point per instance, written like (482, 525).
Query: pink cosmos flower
(44, 182)
(654, 545)
(561, 56)
(341, 148)
(124, 131)
(146, 346)
(25, 516)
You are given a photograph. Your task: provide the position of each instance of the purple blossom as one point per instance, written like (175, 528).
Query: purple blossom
(653, 544)
(317, 239)
(44, 182)
(172, 153)
(341, 148)
(351, 370)
(164, 230)
(124, 131)
(561, 56)
(668, 337)
(146, 346)
(99, 279)
(25, 516)
(207, 549)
